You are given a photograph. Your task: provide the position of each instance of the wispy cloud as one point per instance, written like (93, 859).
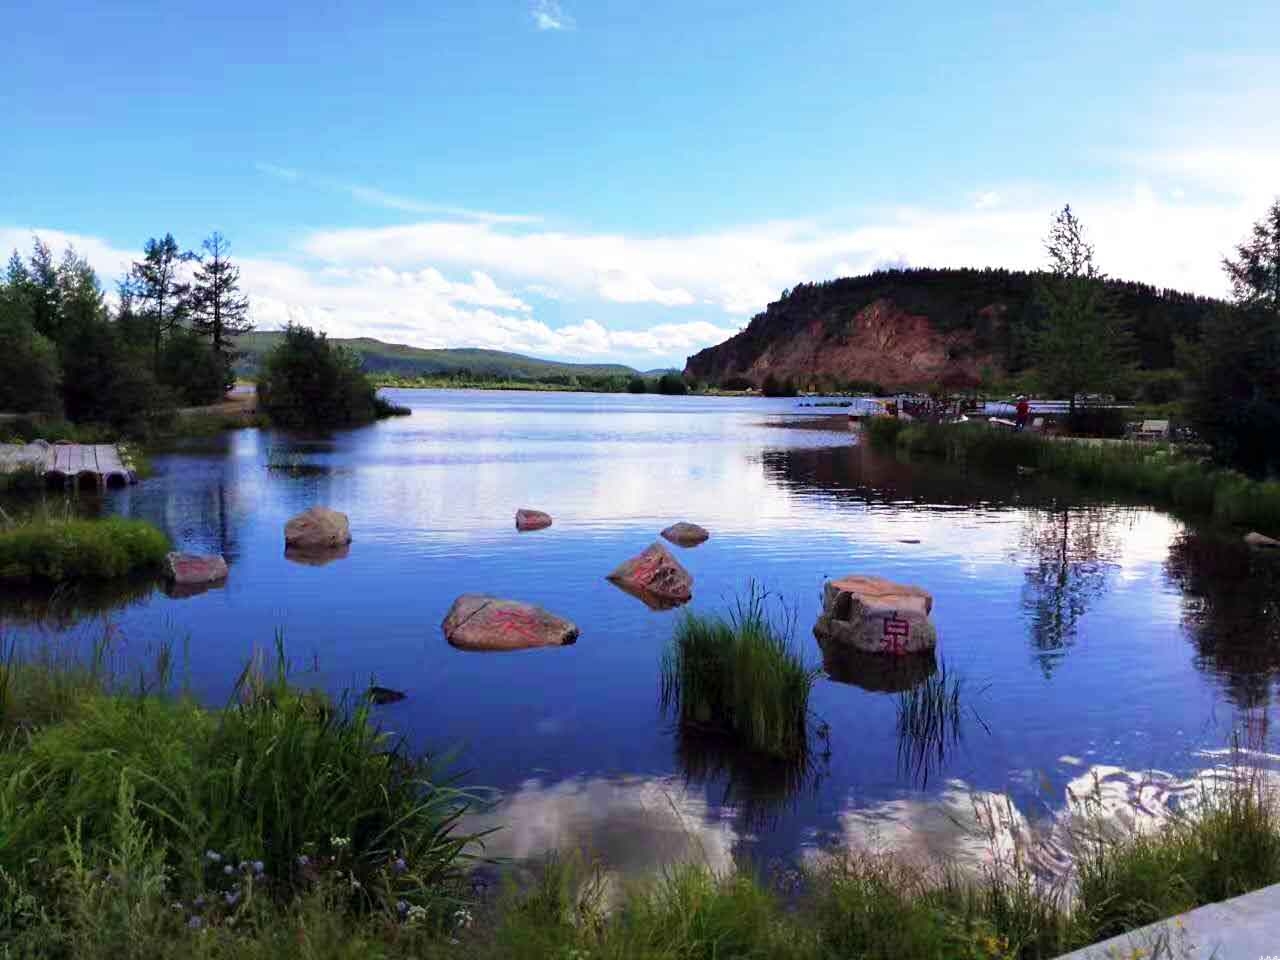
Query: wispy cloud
(391, 201)
(548, 15)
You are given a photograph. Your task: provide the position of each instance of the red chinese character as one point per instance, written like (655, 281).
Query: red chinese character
(896, 632)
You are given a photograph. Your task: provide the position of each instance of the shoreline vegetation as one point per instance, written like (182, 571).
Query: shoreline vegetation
(48, 549)
(1159, 473)
(138, 823)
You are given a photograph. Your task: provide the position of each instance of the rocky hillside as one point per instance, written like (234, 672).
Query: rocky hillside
(904, 328)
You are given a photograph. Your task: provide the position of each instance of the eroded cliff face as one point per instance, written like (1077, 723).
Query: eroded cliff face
(880, 342)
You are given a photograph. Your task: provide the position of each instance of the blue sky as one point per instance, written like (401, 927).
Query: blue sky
(597, 180)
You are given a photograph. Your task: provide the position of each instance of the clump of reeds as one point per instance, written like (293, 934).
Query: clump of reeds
(929, 722)
(740, 676)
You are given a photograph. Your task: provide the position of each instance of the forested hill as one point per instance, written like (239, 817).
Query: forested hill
(915, 327)
(401, 360)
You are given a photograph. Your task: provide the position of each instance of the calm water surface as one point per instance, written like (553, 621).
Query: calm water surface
(1095, 640)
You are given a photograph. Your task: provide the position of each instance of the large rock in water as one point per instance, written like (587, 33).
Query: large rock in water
(532, 519)
(684, 534)
(480, 622)
(317, 529)
(656, 578)
(194, 570)
(875, 615)
(1256, 539)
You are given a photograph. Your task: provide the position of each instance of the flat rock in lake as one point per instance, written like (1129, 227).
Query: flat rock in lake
(318, 529)
(1256, 539)
(875, 615)
(532, 519)
(480, 622)
(655, 577)
(684, 534)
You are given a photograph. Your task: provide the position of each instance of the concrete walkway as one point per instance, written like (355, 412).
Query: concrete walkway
(1246, 928)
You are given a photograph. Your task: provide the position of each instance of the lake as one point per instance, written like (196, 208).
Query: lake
(1101, 646)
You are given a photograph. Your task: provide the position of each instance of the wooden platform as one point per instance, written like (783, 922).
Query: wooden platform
(100, 464)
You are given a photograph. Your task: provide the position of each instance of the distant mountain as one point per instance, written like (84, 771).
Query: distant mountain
(910, 328)
(395, 358)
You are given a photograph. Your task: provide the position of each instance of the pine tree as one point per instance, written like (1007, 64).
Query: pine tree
(1083, 344)
(164, 299)
(218, 309)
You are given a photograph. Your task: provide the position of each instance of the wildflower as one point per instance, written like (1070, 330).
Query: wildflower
(462, 919)
(195, 923)
(244, 865)
(417, 914)
(399, 865)
(199, 902)
(340, 842)
(402, 907)
(303, 860)
(176, 907)
(259, 867)
(213, 856)
(228, 870)
(232, 897)
(355, 884)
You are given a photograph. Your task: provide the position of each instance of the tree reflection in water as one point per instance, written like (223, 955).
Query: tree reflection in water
(1231, 610)
(1073, 552)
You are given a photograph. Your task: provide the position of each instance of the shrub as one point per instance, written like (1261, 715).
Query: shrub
(195, 373)
(672, 385)
(773, 387)
(60, 550)
(636, 385)
(308, 383)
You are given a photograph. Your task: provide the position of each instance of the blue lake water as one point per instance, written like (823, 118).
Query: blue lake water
(1094, 639)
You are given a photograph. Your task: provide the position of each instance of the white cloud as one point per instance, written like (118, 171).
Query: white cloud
(548, 15)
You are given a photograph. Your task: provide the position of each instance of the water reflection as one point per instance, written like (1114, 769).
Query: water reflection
(634, 827)
(62, 607)
(1231, 608)
(876, 672)
(1073, 551)
(758, 788)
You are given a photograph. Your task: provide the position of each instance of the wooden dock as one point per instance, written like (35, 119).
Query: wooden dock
(81, 464)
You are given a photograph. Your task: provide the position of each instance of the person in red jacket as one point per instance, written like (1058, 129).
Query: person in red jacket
(1023, 414)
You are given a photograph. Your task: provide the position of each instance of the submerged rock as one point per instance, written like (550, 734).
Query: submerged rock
(381, 696)
(874, 671)
(875, 615)
(316, 556)
(1256, 539)
(655, 577)
(480, 622)
(684, 534)
(532, 519)
(318, 529)
(195, 570)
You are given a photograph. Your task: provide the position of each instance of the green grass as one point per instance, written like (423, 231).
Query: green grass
(929, 722)
(740, 676)
(131, 817)
(57, 550)
(1155, 472)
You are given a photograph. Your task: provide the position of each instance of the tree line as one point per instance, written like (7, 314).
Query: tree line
(166, 340)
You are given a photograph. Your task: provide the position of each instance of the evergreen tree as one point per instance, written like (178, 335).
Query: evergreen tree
(44, 291)
(1234, 399)
(163, 299)
(218, 309)
(1083, 344)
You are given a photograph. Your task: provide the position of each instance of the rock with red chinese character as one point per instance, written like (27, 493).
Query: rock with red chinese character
(655, 577)
(875, 615)
(527, 519)
(479, 622)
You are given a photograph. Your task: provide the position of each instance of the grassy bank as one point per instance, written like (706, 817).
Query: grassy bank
(1157, 472)
(51, 549)
(136, 823)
